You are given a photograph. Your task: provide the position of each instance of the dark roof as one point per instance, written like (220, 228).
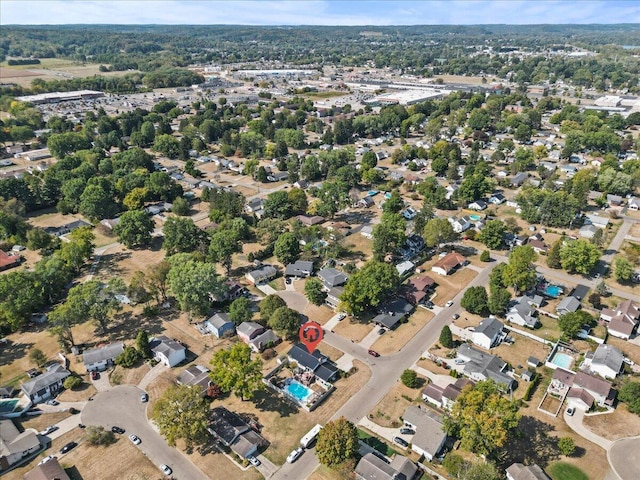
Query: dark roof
(393, 312)
(580, 292)
(320, 365)
(518, 471)
(299, 269)
(226, 425)
(332, 277)
(50, 470)
(53, 375)
(372, 467)
(108, 352)
(490, 327)
(194, 375)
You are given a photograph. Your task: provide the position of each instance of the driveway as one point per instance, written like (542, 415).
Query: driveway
(575, 423)
(121, 406)
(624, 458)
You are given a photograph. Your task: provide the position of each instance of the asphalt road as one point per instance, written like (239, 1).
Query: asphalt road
(624, 457)
(385, 373)
(121, 406)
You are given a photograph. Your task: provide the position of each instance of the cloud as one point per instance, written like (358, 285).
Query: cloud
(318, 12)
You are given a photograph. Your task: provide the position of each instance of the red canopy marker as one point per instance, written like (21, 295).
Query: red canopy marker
(311, 334)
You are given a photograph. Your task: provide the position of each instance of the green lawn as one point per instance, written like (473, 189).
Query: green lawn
(566, 471)
(376, 443)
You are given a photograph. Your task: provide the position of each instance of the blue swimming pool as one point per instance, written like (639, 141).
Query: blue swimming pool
(298, 391)
(8, 405)
(562, 360)
(372, 193)
(475, 218)
(553, 291)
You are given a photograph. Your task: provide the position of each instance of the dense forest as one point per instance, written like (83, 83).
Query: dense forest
(424, 50)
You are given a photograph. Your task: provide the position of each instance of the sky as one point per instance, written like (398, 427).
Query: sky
(319, 12)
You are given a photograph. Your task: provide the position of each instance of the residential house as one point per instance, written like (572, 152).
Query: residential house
(480, 366)
(333, 296)
(373, 467)
(430, 436)
(99, 359)
(320, 365)
(235, 433)
(449, 263)
(606, 361)
(49, 470)
(497, 199)
(167, 351)
(7, 391)
(256, 336)
(580, 292)
(417, 288)
(110, 223)
(262, 274)
(522, 311)
(302, 185)
(233, 291)
(588, 231)
(622, 321)
(518, 179)
(538, 245)
(569, 170)
(392, 313)
(519, 471)
(596, 220)
(9, 261)
(299, 269)
(310, 221)
(405, 267)
(634, 204)
(367, 231)
(549, 166)
(487, 334)
(478, 205)
(67, 228)
(460, 224)
(255, 206)
(14, 446)
(568, 304)
(583, 389)
(46, 385)
(220, 325)
(614, 200)
(444, 397)
(278, 176)
(409, 213)
(331, 277)
(195, 375)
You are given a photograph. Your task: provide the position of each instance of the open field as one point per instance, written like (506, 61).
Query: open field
(449, 286)
(393, 405)
(619, 424)
(566, 471)
(353, 329)
(394, 340)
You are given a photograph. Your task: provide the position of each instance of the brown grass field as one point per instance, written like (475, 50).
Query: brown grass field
(394, 340)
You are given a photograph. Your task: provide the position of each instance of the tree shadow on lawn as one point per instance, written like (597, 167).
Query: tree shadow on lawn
(125, 326)
(268, 401)
(109, 264)
(12, 351)
(531, 443)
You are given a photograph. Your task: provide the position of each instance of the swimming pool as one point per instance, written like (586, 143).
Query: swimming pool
(372, 193)
(298, 391)
(562, 360)
(475, 218)
(553, 291)
(8, 405)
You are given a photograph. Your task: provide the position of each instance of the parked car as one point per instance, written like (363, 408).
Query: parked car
(381, 331)
(144, 398)
(134, 439)
(254, 461)
(373, 353)
(287, 281)
(68, 447)
(449, 303)
(401, 441)
(48, 430)
(165, 469)
(571, 411)
(294, 455)
(53, 402)
(406, 431)
(456, 316)
(342, 316)
(46, 459)
(458, 361)
(95, 375)
(119, 430)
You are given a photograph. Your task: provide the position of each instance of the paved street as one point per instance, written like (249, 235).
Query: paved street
(121, 406)
(624, 457)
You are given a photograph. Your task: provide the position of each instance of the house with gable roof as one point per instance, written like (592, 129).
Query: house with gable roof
(606, 361)
(373, 467)
(167, 351)
(519, 471)
(522, 310)
(15, 445)
(487, 333)
(232, 431)
(449, 263)
(622, 321)
(430, 435)
(99, 359)
(479, 366)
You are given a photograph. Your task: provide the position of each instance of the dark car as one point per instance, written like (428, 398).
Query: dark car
(119, 430)
(95, 375)
(69, 446)
(381, 331)
(401, 441)
(407, 431)
(373, 353)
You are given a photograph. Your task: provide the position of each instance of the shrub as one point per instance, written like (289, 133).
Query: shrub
(485, 256)
(532, 386)
(566, 446)
(409, 378)
(268, 354)
(99, 436)
(128, 358)
(72, 382)
(38, 357)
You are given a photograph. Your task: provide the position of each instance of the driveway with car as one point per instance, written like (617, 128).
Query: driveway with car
(121, 406)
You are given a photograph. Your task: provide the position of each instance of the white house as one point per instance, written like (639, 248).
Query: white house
(519, 471)
(46, 385)
(262, 274)
(14, 446)
(99, 359)
(497, 199)
(522, 311)
(167, 351)
(478, 205)
(606, 361)
(460, 224)
(430, 436)
(487, 333)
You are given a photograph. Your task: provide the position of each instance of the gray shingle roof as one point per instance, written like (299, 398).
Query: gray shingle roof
(53, 375)
(108, 352)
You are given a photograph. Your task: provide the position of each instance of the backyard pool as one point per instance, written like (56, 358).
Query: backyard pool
(475, 217)
(372, 193)
(298, 391)
(562, 360)
(8, 405)
(553, 291)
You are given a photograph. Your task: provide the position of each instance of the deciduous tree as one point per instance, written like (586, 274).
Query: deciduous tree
(314, 291)
(579, 256)
(182, 413)
(337, 442)
(285, 322)
(270, 304)
(520, 272)
(368, 287)
(233, 370)
(134, 228)
(474, 299)
(240, 310)
(287, 248)
(492, 235)
(438, 231)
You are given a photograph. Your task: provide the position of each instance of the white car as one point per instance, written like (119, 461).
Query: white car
(166, 469)
(46, 459)
(342, 316)
(48, 430)
(449, 303)
(135, 439)
(294, 455)
(254, 461)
